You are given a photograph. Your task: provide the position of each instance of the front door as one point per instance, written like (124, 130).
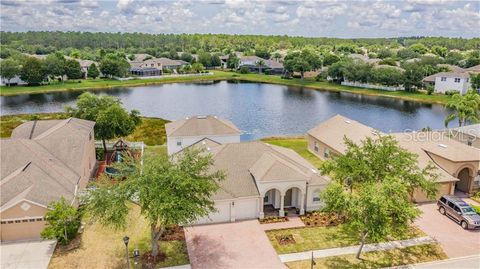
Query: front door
(288, 198)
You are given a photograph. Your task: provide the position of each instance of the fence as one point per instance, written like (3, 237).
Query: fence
(372, 86)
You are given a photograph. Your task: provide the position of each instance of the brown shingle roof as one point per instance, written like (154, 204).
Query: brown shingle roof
(42, 160)
(201, 126)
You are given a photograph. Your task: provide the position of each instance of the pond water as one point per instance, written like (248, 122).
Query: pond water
(259, 110)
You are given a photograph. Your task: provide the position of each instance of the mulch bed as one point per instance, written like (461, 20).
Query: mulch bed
(174, 233)
(74, 244)
(285, 239)
(149, 262)
(321, 219)
(272, 220)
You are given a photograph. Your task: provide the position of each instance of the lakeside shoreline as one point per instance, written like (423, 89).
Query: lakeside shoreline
(309, 83)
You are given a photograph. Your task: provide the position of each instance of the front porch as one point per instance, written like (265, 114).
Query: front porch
(283, 203)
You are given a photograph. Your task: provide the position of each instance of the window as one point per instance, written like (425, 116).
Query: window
(315, 146)
(450, 204)
(3, 222)
(179, 143)
(18, 221)
(443, 79)
(457, 80)
(265, 199)
(316, 196)
(443, 200)
(25, 220)
(326, 153)
(456, 208)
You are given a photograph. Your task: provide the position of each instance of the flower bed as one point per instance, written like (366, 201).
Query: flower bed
(321, 219)
(173, 233)
(285, 239)
(272, 220)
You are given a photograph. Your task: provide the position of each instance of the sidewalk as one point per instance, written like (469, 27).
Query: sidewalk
(469, 262)
(353, 249)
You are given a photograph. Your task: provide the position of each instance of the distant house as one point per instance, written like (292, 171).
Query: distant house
(449, 81)
(155, 66)
(365, 58)
(269, 66)
(42, 162)
(469, 134)
(186, 132)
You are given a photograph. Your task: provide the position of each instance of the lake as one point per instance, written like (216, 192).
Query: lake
(259, 110)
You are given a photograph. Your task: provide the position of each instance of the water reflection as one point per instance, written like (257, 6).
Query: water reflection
(258, 109)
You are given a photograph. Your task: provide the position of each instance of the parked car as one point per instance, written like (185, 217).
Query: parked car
(459, 211)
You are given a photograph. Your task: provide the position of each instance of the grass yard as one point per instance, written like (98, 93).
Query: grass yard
(377, 259)
(323, 237)
(297, 144)
(151, 130)
(220, 75)
(103, 247)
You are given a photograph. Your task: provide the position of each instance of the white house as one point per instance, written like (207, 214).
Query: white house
(262, 180)
(14, 81)
(448, 81)
(186, 132)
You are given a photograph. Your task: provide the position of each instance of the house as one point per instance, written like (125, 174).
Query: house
(365, 58)
(85, 65)
(155, 66)
(186, 132)
(469, 134)
(457, 164)
(262, 180)
(449, 81)
(42, 162)
(269, 66)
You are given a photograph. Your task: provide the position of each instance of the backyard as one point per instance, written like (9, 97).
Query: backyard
(103, 247)
(298, 144)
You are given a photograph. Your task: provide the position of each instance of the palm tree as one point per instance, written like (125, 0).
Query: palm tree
(465, 108)
(260, 64)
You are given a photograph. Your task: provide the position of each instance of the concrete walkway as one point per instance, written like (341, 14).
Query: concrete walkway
(353, 249)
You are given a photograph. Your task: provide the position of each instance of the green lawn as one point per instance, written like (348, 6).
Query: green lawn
(297, 144)
(324, 237)
(377, 259)
(151, 130)
(220, 75)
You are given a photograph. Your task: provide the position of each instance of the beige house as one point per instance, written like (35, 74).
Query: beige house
(42, 162)
(261, 180)
(457, 164)
(186, 132)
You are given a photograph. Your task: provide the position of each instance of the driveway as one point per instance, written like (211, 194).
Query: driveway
(241, 244)
(28, 254)
(455, 241)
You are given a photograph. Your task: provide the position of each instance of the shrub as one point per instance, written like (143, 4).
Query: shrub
(450, 92)
(430, 89)
(63, 221)
(244, 70)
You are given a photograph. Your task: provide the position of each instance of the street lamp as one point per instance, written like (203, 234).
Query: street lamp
(125, 240)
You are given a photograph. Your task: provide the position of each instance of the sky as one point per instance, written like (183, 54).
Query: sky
(345, 19)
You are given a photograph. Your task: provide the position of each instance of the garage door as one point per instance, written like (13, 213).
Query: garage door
(246, 209)
(222, 214)
(442, 189)
(21, 231)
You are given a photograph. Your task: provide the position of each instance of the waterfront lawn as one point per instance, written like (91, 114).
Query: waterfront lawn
(220, 75)
(103, 247)
(297, 144)
(324, 237)
(377, 259)
(151, 130)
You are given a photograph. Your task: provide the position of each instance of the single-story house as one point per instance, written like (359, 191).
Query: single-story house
(365, 58)
(186, 132)
(449, 81)
(85, 65)
(155, 66)
(42, 162)
(262, 180)
(457, 164)
(270, 66)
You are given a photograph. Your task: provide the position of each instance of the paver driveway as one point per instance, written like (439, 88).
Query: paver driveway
(456, 241)
(29, 254)
(241, 244)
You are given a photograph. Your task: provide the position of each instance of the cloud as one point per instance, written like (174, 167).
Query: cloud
(373, 18)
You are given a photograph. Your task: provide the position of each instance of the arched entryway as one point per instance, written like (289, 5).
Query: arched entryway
(271, 203)
(294, 199)
(465, 177)
(274, 202)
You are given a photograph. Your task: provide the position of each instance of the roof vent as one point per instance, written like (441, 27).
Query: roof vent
(201, 117)
(203, 143)
(347, 121)
(442, 146)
